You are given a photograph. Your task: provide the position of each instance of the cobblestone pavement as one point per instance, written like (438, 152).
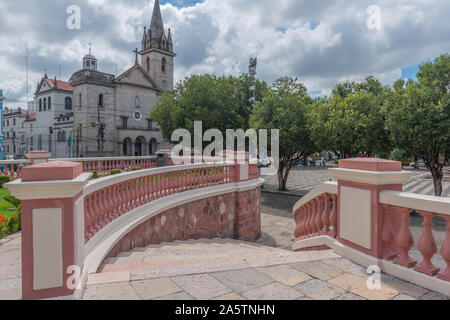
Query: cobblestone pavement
(305, 179)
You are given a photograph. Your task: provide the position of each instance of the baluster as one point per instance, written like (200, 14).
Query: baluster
(387, 234)
(326, 216)
(87, 219)
(304, 216)
(445, 251)
(115, 201)
(311, 218)
(134, 193)
(95, 213)
(319, 224)
(333, 217)
(99, 211)
(404, 241)
(123, 198)
(427, 246)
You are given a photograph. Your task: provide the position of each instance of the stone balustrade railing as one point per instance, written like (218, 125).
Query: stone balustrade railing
(13, 168)
(365, 217)
(397, 237)
(316, 213)
(107, 164)
(71, 223)
(109, 198)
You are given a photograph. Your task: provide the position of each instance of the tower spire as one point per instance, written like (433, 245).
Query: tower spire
(156, 25)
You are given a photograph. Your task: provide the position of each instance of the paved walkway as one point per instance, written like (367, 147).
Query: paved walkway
(224, 269)
(305, 179)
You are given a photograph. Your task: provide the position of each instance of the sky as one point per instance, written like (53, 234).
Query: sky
(320, 42)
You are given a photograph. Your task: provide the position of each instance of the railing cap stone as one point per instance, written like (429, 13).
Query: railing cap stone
(52, 171)
(370, 164)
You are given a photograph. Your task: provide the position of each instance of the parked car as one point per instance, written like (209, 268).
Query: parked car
(264, 163)
(420, 164)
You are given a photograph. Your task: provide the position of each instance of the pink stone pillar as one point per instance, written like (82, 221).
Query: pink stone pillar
(360, 216)
(37, 157)
(52, 228)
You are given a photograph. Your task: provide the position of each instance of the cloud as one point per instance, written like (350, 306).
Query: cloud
(321, 42)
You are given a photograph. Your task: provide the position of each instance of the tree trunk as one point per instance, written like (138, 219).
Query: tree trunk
(281, 184)
(438, 174)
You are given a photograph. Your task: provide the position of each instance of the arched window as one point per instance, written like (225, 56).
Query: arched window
(100, 100)
(40, 104)
(45, 104)
(164, 84)
(49, 103)
(68, 103)
(163, 65)
(148, 64)
(138, 102)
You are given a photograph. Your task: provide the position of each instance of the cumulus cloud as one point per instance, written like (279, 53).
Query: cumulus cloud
(321, 42)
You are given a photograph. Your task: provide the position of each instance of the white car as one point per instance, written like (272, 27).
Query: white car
(420, 164)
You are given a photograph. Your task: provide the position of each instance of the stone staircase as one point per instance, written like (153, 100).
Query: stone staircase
(202, 256)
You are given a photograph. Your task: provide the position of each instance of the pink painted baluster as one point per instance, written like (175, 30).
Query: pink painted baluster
(445, 252)
(122, 199)
(97, 211)
(387, 234)
(311, 219)
(404, 241)
(87, 219)
(427, 246)
(319, 224)
(326, 216)
(333, 218)
(304, 221)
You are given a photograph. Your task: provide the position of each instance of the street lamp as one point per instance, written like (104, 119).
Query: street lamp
(252, 73)
(1, 123)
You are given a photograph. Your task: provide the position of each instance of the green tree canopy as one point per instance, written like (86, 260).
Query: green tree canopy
(351, 121)
(418, 116)
(219, 102)
(285, 106)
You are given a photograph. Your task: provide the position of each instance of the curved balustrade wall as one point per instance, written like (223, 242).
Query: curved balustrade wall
(122, 194)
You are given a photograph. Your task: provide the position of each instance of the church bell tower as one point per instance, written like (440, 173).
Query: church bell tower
(157, 56)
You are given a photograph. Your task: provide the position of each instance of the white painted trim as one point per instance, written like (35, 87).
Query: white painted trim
(12, 162)
(330, 187)
(418, 202)
(100, 245)
(102, 183)
(406, 274)
(60, 189)
(372, 177)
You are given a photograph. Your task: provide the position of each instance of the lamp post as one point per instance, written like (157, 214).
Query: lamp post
(1, 124)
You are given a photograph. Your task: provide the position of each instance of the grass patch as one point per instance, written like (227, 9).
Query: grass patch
(5, 205)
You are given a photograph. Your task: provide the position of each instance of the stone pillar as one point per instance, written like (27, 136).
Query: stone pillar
(52, 228)
(360, 216)
(37, 157)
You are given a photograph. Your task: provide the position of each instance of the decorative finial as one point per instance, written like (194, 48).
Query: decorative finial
(90, 44)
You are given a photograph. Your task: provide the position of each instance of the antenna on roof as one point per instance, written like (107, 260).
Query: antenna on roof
(90, 44)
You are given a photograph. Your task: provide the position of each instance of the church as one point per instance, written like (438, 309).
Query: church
(111, 114)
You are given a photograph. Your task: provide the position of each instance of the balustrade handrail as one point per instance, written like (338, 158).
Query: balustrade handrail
(104, 182)
(103, 158)
(419, 202)
(329, 187)
(106, 199)
(11, 162)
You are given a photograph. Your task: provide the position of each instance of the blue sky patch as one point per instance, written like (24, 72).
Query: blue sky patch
(410, 72)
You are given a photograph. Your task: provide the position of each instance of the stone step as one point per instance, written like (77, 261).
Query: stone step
(204, 255)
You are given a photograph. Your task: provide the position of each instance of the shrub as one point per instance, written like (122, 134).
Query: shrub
(135, 168)
(13, 200)
(11, 225)
(115, 171)
(3, 180)
(95, 174)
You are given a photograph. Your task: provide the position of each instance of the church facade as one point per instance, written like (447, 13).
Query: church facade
(111, 115)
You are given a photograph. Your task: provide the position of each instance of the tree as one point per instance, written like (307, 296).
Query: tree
(418, 116)
(286, 106)
(351, 121)
(219, 102)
